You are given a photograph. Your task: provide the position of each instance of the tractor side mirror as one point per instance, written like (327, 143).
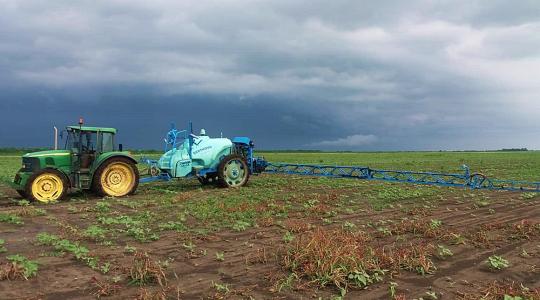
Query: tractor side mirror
(120, 147)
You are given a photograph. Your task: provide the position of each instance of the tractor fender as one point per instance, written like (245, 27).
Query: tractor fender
(106, 156)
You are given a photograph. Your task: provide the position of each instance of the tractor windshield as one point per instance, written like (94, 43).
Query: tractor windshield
(85, 141)
(72, 141)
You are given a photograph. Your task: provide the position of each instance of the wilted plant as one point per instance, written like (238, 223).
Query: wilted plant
(103, 288)
(144, 270)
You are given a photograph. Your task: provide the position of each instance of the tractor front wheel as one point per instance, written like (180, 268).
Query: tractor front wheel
(116, 177)
(47, 185)
(233, 171)
(22, 193)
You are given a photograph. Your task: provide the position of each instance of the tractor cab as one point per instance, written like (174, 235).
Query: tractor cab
(87, 143)
(89, 161)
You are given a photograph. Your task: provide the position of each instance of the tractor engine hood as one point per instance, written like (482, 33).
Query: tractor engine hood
(47, 153)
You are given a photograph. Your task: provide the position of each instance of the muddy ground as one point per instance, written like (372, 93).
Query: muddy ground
(252, 266)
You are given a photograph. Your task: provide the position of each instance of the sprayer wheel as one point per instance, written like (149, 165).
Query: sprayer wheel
(233, 171)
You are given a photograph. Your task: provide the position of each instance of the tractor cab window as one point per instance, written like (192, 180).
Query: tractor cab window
(107, 142)
(88, 140)
(72, 141)
(85, 141)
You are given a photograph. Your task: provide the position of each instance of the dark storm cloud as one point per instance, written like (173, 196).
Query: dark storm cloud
(292, 74)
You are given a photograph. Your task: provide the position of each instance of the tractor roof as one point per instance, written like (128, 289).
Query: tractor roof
(93, 129)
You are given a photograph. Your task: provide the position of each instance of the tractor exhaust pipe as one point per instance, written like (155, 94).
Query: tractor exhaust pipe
(55, 138)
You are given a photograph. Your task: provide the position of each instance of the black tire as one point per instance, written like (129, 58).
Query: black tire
(224, 177)
(22, 193)
(96, 180)
(28, 188)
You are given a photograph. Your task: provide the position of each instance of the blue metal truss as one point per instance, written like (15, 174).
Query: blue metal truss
(466, 179)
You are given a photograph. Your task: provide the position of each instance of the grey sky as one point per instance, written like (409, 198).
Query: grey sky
(350, 75)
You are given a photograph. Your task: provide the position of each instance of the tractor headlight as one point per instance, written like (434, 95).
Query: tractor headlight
(30, 164)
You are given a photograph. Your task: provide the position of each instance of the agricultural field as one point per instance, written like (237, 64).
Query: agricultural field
(283, 237)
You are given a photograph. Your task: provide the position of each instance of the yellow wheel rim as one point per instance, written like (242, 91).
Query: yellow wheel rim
(47, 187)
(117, 179)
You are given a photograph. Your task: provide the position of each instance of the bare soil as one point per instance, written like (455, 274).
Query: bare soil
(252, 266)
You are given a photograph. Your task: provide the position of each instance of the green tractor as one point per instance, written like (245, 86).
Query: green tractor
(89, 161)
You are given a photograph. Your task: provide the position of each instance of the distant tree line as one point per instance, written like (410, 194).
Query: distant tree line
(514, 149)
(13, 150)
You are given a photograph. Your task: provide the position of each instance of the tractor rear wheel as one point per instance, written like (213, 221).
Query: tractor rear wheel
(233, 171)
(116, 177)
(47, 185)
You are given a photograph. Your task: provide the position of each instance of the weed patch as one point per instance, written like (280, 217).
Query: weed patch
(507, 290)
(347, 259)
(18, 267)
(333, 257)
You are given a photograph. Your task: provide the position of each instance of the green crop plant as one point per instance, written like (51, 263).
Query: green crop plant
(240, 225)
(142, 234)
(102, 207)
(95, 232)
(349, 225)
(496, 262)
(443, 252)
(20, 265)
(80, 252)
(189, 246)
(384, 231)
(172, 225)
(221, 287)
(392, 288)
(72, 209)
(434, 223)
(130, 249)
(508, 297)
(286, 282)
(105, 268)
(2, 247)
(363, 279)
(528, 196)
(288, 237)
(134, 226)
(220, 256)
(11, 219)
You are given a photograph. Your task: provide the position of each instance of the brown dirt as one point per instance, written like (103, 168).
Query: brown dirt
(252, 267)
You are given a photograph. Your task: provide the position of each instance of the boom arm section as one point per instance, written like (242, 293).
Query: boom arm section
(465, 179)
